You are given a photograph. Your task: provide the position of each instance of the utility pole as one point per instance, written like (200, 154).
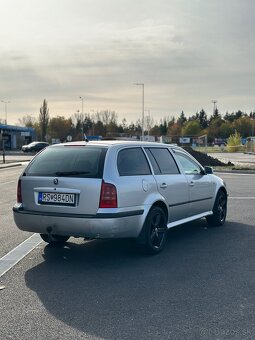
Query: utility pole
(252, 133)
(141, 84)
(214, 105)
(82, 100)
(5, 104)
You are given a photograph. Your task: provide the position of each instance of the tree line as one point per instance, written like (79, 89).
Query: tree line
(105, 123)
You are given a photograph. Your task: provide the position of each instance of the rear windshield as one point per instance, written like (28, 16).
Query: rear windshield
(69, 161)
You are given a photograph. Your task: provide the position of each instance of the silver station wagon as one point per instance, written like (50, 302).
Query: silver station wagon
(116, 189)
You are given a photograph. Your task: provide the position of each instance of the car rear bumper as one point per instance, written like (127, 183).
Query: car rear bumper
(102, 225)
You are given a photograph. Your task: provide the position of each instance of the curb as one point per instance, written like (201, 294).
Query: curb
(11, 165)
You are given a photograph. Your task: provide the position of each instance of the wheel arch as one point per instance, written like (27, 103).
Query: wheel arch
(141, 237)
(161, 205)
(222, 188)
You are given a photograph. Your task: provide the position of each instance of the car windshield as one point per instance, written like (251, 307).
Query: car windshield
(71, 161)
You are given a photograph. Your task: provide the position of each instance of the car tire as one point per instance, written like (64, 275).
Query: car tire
(219, 210)
(155, 231)
(54, 239)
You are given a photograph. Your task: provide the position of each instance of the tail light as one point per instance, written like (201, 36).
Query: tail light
(19, 196)
(108, 196)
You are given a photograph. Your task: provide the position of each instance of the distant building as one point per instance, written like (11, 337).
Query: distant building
(149, 138)
(16, 136)
(93, 138)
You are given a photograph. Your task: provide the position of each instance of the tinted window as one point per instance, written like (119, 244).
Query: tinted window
(132, 162)
(154, 164)
(188, 165)
(163, 162)
(73, 161)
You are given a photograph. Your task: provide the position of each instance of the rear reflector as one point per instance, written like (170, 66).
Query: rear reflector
(19, 196)
(108, 197)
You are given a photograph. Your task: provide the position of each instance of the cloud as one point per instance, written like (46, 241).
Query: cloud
(186, 52)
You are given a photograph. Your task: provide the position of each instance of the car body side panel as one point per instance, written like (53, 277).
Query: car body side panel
(175, 190)
(134, 190)
(131, 190)
(201, 193)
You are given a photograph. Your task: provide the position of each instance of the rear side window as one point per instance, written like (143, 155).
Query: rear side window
(162, 161)
(70, 161)
(132, 162)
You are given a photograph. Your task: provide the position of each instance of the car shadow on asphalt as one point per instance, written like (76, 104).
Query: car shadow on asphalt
(109, 289)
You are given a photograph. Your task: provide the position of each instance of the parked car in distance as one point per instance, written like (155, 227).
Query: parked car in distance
(116, 189)
(34, 146)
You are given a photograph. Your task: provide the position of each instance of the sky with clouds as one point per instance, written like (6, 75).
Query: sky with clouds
(186, 52)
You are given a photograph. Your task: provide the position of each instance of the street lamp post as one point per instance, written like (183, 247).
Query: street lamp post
(141, 84)
(148, 121)
(93, 121)
(82, 100)
(5, 104)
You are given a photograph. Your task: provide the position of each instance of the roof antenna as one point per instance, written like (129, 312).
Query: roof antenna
(85, 138)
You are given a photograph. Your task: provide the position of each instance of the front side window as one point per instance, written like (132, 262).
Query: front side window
(188, 165)
(132, 162)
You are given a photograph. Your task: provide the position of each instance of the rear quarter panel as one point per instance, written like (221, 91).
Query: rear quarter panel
(133, 191)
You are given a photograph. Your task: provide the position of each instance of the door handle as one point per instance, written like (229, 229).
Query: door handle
(191, 183)
(163, 185)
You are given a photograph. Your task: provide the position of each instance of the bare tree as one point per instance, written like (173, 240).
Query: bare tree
(107, 117)
(27, 120)
(78, 118)
(44, 119)
(148, 123)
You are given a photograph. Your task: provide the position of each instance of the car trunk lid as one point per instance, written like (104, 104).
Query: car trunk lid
(64, 180)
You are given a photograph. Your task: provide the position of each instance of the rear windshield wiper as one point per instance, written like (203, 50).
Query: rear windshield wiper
(71, 173)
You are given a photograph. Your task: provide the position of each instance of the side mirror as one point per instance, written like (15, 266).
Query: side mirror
(208, 170)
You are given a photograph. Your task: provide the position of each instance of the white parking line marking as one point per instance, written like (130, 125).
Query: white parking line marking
(7, 182)
(242, 198)
(227, 174)
(14, 256)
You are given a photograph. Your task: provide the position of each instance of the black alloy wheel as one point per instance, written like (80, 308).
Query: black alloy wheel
(156, 230)
(219, 210)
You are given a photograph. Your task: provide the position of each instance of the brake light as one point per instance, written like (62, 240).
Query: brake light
(108, 196)
(19, 196)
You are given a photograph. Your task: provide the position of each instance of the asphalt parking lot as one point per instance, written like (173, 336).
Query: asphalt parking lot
(200, 287)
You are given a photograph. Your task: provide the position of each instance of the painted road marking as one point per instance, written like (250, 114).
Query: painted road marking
(14, 256)
(242, 198)
(233, 174)
(7, 182)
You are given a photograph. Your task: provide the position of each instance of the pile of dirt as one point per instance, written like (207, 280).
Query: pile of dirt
(204, 159)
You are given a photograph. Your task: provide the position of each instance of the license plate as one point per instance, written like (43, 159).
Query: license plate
(56, 198)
